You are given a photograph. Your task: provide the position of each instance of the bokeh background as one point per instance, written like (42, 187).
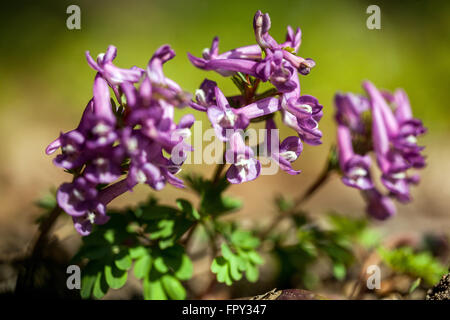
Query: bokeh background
(46, 83)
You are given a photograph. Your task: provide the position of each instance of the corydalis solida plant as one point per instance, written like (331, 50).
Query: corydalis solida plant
(248, 66)
(126, 137)
(390, 132)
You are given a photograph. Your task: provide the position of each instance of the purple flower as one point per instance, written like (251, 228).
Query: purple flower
(99, 125)
(99, 133)
(223, 117)
(398, 185)
(261, 27)
(293, 40)
(378, 206)
(143, 171)
(97, 215)
(283, 153)
(278, 71)
(395, 151)
(78, 197)
(225, 67)
(303, 113)
(276, 52)
(138, 98)
(181, 134)
(109, 71)
(393, 139)
(205, 96)
(105, 165)
(277, 65)
(72, 146)
(349, 109)
(56, 144)
(128, 140)
(260, 108)
(244, 167)
(355, 168)
(162, 85)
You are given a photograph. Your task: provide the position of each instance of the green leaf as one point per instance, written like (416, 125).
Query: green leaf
(162, 229)
(115, 277)
(339, 271)
(47, 202)
(109, 236)
(142, 266)
(88, 279)
(415, 285)
(255, 258)
(123, 260)
(219, 266)
(160, 265)
(188, 209)
(235, 273)
(417, 264)
(138, 252)
(153, 289)
(186, 268)
(226, 252)
(181, 226)
(227, 275)
(87, 283)
(242, 263)
(369, 238)
(252, 272)
(173, 287)
(244, 239)
(100, 286)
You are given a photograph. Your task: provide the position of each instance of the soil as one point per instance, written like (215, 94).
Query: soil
(441, 291)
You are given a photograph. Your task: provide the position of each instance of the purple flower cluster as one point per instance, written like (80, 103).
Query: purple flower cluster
(265, 61)
(126, 137)
(391, 133)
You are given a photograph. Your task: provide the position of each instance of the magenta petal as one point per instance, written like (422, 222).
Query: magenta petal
(91, 62)
(53, 146)
(82, 226)
(102, 102)
(260, 108)
(186, 121)
(110, 54)
(197, 62)
(379, 206)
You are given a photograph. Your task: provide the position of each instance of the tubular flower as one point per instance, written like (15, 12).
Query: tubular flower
(391, 133)
(283, 153)
(267, 61)
(302, 113)
(224, 118)
(355, 168)
(130, 139)
(244, 167)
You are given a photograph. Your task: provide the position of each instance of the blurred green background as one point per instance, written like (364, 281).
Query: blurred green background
(46, 82)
